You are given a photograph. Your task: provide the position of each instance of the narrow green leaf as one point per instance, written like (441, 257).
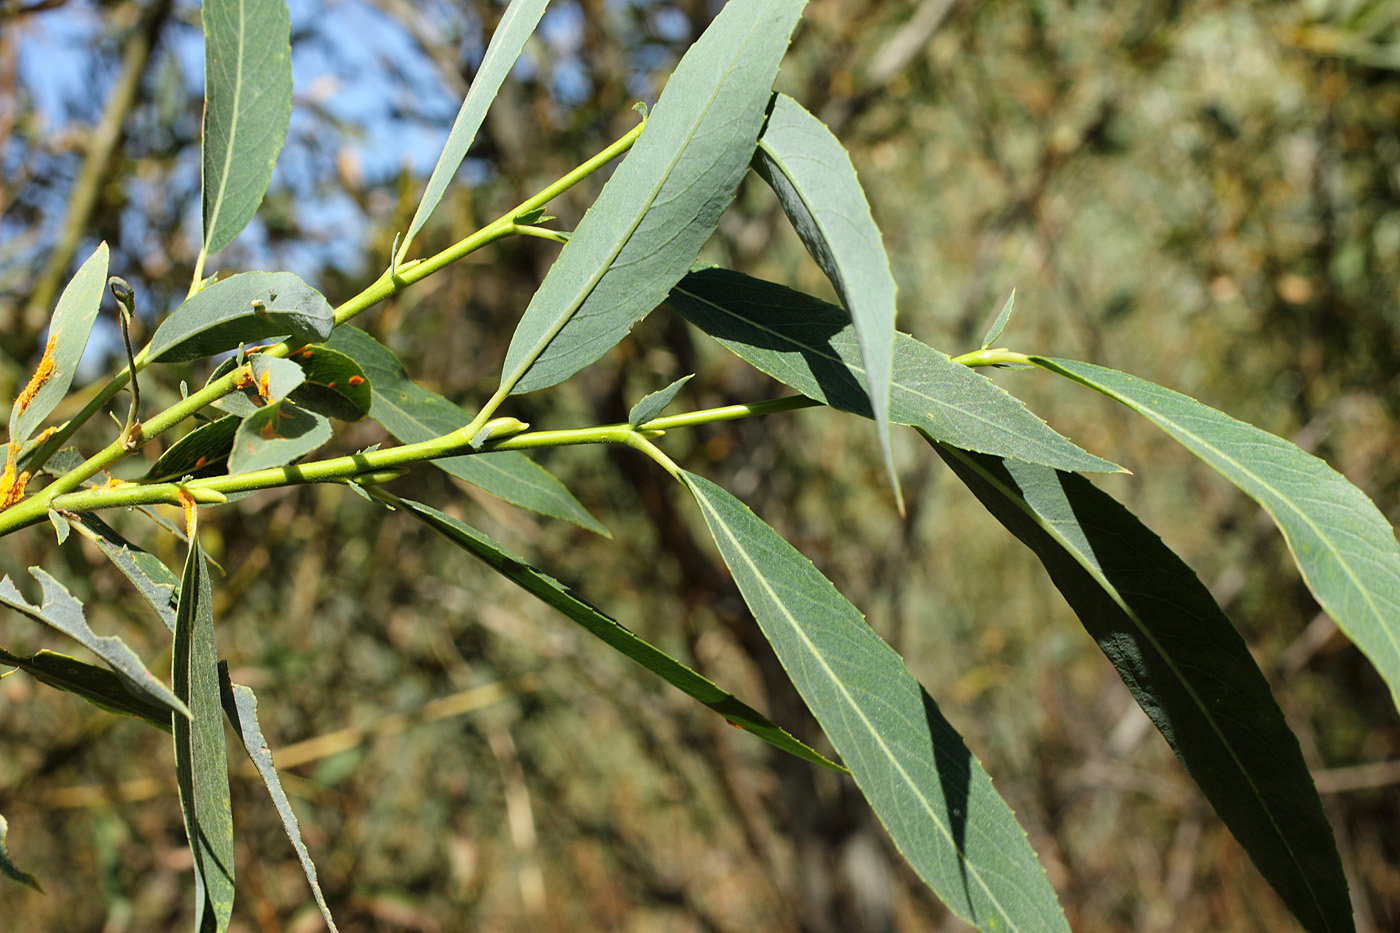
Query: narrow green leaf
(1341, 542)
(97, 685)
(156, 583)
(241, 706)
(810, 345)
(1186, 666)
(201, 762)
(928, 789)
(202, 452)
(7, 867)
(60, 525)
(662, 203)
(412, 414)
(241, 309)
(247, 108)
(61, 611)
(276, 435)
(812, 175)
(655, 403)
(335, 385)
(516, 25)
(68, 335)
(610, 632)
(999, 325)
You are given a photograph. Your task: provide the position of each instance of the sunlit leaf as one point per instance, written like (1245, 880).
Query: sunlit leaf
(97, 685)
(655, 403)
(7, 867)
(999, 325)
(275, 435)
(242, 309)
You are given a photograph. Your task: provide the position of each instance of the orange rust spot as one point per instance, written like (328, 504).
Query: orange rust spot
(12, 486)
(263, 386)
(268, 432)
(356, 380)
(187, 503)
(331, 384)
(111, 483)
(307, 354)
(244, 378)
(200, 462)
(41, 375)
(734, 724)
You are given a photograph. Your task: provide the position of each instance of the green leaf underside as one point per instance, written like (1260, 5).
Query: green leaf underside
(98, 685)
(655, 403)
(1343, 545)
(614, 634)
(994, 332)
(412, 414)
(222, 316)
(507, 42)
(662, 203)
(335, 385)
(61, 611)
(247, 108)
(276, 435)
(241, 707)
(202, 452)
(812, 175)
(1185, 665)
(810, 345)
(68, 330)
(156, 582)
(201, 762)
(929, 791)
(7, 867)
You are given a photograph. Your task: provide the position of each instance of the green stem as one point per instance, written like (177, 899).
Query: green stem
(997, 357)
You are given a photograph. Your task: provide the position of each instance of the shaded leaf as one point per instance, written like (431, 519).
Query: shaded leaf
(156, 582)
(928, 789)
(1186, 666)
(275, 435)
(241, 707)
(661, 204)
(812, 175)
(247, 107)
(810, 345)
(335, 385)
(516, 25)
(655, 403)
(241, 309)
(201, 762)
(999, 325)
(68, 335)
(61, 611)
(7, 867)
(202, 452)
(614, 634)
(411, 413)
(97, 685)
(1341, 542)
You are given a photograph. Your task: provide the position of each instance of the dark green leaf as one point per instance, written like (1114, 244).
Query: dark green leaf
(241, 707)
(810, 345)
(999, 325)
(61, 611)
(201, 762)
(1185, 665)
(335, 385)
(97, 685)
(241, 309)
(68, 335)
(155, 582)
(612, 633)
(655, 403)
(928, 789)
(412, 414)
(1341, 542)
(662, 203)
(7, 867)
(276, 435)
(202, 452)
(247, 107)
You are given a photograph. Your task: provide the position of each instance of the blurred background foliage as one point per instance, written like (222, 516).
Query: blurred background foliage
(1202, 192)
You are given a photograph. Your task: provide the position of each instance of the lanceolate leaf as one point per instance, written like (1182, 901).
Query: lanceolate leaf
(202, 452)
(155, 582)
(655, 403)
(97, 685)
(612, 633)
(515, 27)
(1343, 545)
(1185, 665)
(932, 795)
(335, 385)
(68, 335)
(247, 107)
(810, 345)
(411, 413)
(201, 763)
(241, 707)
(240, 310)
(809, 170)
(662, 203)
(7, 867)
(994, 332)
(61, 611)
(275, 436)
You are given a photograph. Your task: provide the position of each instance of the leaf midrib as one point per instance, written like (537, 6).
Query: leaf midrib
(233, 124)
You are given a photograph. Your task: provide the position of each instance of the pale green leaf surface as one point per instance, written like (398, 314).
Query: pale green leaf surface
(812, 175)
(1186, 666)
(68, 335)
(155, 582)
(662, 203)
(655, 403)
(98, 685)
(412, 413)
(241, 707)
(7, 867)
(1343, 545)
(61, 611)
(275, 435)
(241, 309)
(517, 24)
(928, 789)
(201, 761)
(610, 632)
(1002, 319)
(247, 108)
(60, 525)
(810, 345)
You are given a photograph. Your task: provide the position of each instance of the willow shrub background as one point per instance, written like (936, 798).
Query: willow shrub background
(1202, 193)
